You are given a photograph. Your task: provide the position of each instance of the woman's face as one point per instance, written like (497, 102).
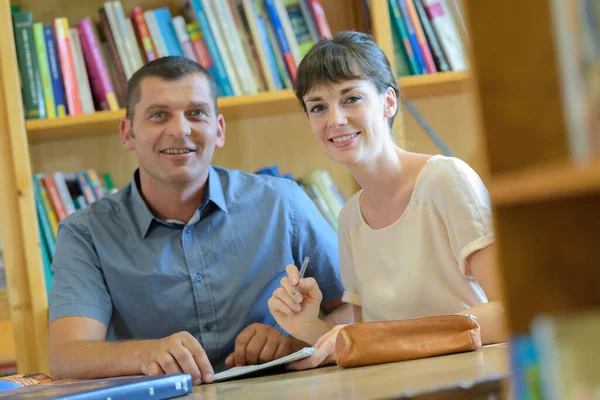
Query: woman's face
(349, 119)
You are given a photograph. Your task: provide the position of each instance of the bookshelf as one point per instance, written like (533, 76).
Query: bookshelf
(545, 203)
(262, 104)
(263, 129)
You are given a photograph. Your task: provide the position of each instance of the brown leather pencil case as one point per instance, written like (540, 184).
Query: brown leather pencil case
(369, 343)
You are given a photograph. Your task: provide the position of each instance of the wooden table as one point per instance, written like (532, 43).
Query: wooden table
(424, 379)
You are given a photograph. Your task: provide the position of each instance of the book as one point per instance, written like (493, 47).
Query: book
(126, 387)
(249, 369)
(568, 353)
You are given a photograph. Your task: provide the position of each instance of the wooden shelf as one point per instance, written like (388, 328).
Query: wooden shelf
(546, 182)
(4, 306)
(269, 103)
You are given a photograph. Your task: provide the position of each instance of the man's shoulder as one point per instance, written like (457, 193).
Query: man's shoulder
(238, 183)
(100, 211)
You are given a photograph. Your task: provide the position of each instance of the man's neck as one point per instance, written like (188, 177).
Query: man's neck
(173, 202)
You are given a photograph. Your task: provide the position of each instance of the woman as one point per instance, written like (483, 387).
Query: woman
(417, 239)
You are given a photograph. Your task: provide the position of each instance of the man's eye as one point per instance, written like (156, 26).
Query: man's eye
(317, 108)
(197, 113)
(158, 114)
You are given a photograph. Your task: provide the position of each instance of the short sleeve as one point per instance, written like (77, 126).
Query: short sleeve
(462, 201)
(78, 285)
(314, 236)
(349, 280)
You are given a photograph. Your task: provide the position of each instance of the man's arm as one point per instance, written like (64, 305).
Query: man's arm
(338, 313)
(78, 350)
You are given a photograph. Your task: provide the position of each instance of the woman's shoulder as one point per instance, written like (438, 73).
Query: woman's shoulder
(442, 171)
(350, 214)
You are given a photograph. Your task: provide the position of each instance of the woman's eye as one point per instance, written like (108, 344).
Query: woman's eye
(317, 108)
(353, 99)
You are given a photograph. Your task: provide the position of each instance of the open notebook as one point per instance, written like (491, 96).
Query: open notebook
(248, 369)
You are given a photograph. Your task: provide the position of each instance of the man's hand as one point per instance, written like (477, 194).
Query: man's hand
(258, 344)
(178, 353)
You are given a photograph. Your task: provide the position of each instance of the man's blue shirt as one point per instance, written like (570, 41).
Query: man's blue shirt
(145, 278)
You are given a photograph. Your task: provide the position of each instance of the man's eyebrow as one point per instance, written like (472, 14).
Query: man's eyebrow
(156, 105)
(198, 104)
(343, 91)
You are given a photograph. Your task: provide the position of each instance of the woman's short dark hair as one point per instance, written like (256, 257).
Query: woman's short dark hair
(349, 55)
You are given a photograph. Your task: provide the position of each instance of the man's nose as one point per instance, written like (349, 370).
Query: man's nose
(179, 126)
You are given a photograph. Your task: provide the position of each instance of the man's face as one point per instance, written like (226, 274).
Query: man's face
(174, 130)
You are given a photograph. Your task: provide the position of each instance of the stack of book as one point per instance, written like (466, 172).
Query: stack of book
(248, 46)
(429, 36)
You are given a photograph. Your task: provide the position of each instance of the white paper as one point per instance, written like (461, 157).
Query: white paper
(237, 371)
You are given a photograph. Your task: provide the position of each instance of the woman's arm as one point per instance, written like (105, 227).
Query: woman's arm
(490, 316)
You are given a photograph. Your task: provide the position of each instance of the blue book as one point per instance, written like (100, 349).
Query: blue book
(167, 30)
(221, 75)
(120, 388)
(264, 38)
(58, 89)
(412, 36)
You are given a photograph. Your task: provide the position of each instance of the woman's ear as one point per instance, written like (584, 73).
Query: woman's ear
(390, 105)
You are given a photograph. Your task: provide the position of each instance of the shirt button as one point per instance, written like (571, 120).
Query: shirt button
(198, 277)
(188, 230)
(207, 327)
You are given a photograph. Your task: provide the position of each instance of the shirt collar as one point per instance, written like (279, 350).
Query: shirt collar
(144, 216)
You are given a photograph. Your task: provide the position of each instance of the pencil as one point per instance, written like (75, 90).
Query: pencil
(302, 272)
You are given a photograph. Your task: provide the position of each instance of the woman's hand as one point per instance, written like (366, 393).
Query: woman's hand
(325, 353)
(298, 314)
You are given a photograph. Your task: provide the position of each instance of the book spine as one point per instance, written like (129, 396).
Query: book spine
(114, 55)
(412, 36)
(310, 22)
(165, 25)
(219, 38)
(55, 199)
(184, 38)
(141, 28)
(281, 39)
(155, 34)
(398, 22)
(83, 81)
(33, 96)
(221, 75)
(94, 181)
(96, 67)
(52, 218)
(290, 35)
(446, 32)
(424, 47)
(119, 36)
(281, 69)
(200, 48)
(44, 68)
(126, 29)
(320, 18)
(67, 64)
(45, 226)
(300, 26)
(58, 89)
(434, 44)
(63, 191)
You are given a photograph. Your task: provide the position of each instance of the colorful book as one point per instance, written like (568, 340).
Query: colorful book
(184, 38)
(423, 45)
(44, 68)
(446, 31)
(412, 36)
(103, 91)
(143, 35)
(33, 95)
(118, 388)
(434, 44)
(83, 80)
(299, 25)
(281, 38)
(67, 65)
(56, 78)
(167, 30)
(320, 18)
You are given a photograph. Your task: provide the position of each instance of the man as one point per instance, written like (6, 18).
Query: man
(173, 273)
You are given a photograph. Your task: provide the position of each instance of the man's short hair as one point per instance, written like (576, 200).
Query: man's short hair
(170, 68)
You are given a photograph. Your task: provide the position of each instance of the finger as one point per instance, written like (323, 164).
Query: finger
(286, 347)
(327, 337)
(289, 289)
(310, 362)
(206, 370)
(293, 274)
(186, 361)
(310, 289)
(255, 346)
(230, 360)
(241, 342)
(168, 363)
(269, 349)
(154, 369)
(292, 303)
